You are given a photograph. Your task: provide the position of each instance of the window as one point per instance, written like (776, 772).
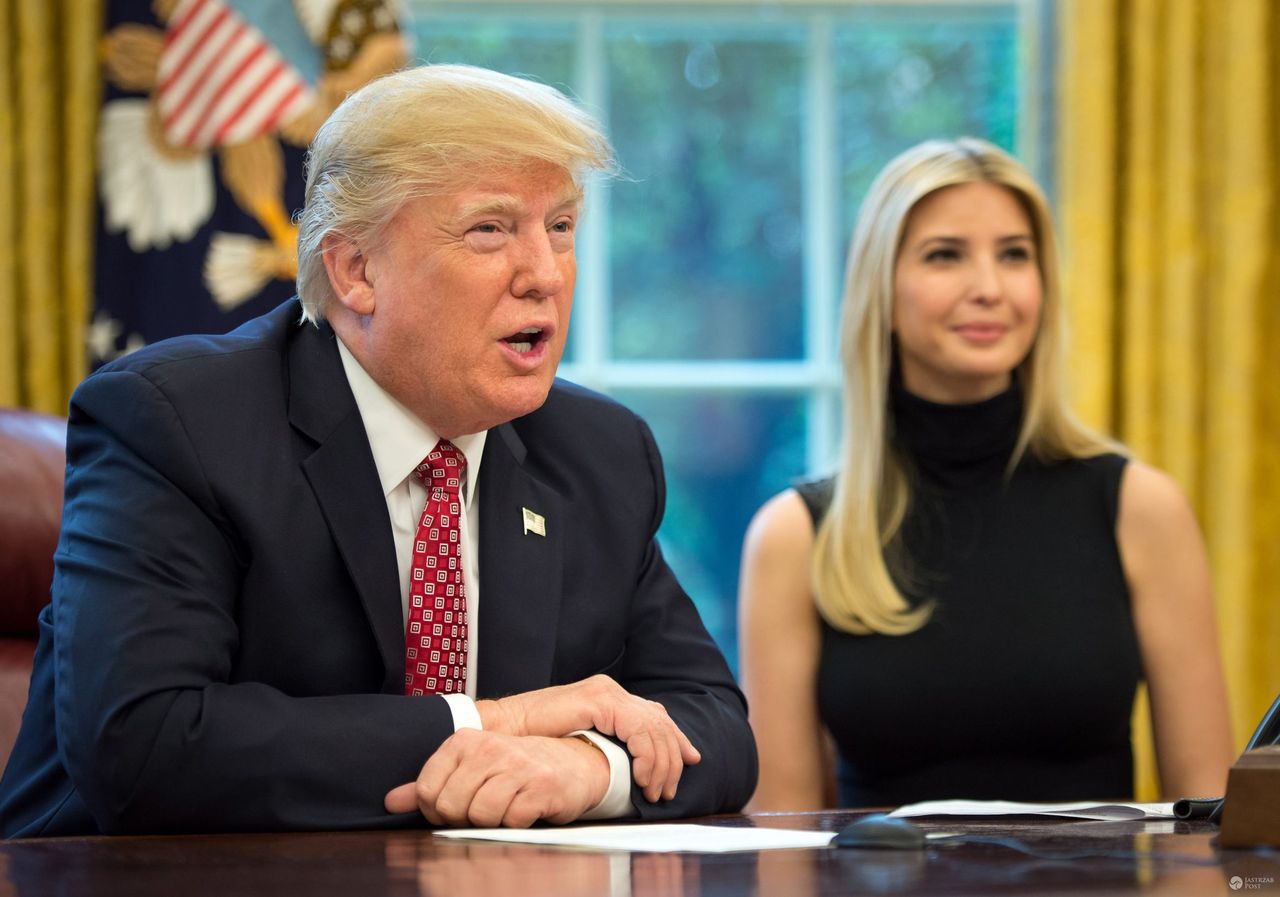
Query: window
(710, 275)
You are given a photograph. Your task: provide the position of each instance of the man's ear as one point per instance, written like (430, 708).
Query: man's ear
(346, 266)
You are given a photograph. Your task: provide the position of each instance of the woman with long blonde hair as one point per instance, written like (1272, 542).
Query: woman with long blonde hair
(965, 609)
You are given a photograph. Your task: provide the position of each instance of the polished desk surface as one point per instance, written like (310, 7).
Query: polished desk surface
(1095, 858)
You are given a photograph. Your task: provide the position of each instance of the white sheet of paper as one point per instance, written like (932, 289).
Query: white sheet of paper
(656, 838)
(1112, 811)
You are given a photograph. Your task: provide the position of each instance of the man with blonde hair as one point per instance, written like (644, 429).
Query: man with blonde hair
(363, 560)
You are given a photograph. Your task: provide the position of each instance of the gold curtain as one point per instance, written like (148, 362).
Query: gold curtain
(49, 94)
(1168, 195)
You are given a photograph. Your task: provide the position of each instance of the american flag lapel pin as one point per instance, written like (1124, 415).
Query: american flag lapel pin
(534, 523)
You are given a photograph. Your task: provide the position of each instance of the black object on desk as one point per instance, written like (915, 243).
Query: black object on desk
(1267, 733)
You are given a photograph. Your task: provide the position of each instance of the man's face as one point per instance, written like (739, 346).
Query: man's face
(471, 297)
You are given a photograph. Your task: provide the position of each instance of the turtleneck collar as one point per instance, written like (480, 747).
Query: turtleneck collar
(955, 445)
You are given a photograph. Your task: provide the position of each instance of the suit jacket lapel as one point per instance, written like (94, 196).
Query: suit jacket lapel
(520, 573)
(345, 480)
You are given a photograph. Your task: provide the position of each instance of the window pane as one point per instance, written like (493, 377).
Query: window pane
(725, 454)
(705, 254)
(900, 82)
(540, 47)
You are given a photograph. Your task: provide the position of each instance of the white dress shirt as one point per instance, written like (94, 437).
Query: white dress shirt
(399, 441)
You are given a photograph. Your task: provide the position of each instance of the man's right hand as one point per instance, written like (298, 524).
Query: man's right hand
(660, 751)
(488, 779)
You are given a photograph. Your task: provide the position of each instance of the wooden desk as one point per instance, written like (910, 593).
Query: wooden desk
(371, 864)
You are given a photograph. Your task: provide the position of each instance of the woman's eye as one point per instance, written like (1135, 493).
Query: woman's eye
(942, 255)
(1018, 254)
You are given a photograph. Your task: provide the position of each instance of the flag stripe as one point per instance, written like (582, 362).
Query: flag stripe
(272, 116)
(207, 115)
(230, 66)
(200, 80)
(234, 62)
(182, 16)
(179, 50)
(247, 78)
(221, 79)
(251, 110)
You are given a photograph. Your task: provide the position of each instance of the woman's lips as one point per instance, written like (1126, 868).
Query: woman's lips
(982, 333)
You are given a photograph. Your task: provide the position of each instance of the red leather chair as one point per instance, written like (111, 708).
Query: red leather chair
(32, 462)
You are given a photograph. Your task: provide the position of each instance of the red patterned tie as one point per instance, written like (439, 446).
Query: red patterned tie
(435, 645)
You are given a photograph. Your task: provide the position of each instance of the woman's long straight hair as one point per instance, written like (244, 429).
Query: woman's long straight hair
(853, 587)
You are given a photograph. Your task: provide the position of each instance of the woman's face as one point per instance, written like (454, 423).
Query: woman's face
(967, 293)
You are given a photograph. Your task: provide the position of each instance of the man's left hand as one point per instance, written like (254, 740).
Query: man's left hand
(487, 779)
(660, 750)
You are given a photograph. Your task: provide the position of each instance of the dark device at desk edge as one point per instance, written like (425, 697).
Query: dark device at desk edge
(1268, 732)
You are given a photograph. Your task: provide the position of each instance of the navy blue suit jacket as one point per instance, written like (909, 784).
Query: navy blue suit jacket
(224, 649)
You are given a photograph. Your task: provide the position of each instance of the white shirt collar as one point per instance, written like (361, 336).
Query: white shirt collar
(398, 438)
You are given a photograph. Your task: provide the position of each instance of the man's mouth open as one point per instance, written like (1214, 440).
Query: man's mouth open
(526, 340)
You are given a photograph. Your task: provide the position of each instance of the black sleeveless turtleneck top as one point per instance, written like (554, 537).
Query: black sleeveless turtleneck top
(1021, 684)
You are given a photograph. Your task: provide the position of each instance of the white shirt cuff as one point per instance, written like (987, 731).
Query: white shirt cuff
(465, 714)
(616, 803)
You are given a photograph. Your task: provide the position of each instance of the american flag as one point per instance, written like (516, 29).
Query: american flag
(221, 79)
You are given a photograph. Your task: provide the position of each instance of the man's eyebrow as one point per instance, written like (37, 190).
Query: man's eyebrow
(510, 204)
(500, 204)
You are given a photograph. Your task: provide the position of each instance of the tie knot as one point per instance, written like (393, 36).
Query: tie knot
(443, 467)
